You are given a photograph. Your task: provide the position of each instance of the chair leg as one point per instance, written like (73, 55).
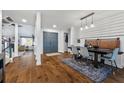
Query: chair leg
(87, 59)
(73, 56)
(111, 64)
(112, 67)
(115, 64)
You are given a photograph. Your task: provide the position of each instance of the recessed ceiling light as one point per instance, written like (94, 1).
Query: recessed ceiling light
(54, 26)
(24, 20)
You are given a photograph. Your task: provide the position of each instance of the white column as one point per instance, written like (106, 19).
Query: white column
(61, 41)
(72, 36)
(16, 41)
(122, 43)
(38, 39)
(35, 39)
(0, 31)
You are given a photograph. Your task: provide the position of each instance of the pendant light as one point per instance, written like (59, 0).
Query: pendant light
(86, 27)
(86, 24)
(81, 28)
(92, 25)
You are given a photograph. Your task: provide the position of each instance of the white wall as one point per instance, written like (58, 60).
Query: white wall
(8, 31)
(73, 36)
(26, 30)
(65, 43)
(61, 41)
(108, 27)
(122, 43)
(0, 31)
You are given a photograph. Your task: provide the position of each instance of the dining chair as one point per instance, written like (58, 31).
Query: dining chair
(112, 58)
(74, 51)
(85, 54)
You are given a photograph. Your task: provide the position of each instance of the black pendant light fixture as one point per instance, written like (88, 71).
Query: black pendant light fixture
(92, 24)
(81, 28)
(86, 26)
(86, 23)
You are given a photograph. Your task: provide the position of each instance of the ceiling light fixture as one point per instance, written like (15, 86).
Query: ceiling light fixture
(81, 28)
(86, 24)
(54, 26)
(86, 27)
(24, 20)
(92, 25)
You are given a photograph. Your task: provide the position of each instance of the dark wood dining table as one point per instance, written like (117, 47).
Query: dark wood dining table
(99, 51)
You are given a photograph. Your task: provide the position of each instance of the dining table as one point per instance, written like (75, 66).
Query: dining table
(99, 51)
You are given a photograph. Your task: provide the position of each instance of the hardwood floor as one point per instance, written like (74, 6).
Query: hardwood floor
(52, 70)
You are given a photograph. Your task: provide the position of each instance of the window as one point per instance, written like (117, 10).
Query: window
(26, 41)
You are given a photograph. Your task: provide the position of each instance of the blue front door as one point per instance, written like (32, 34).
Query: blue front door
(50, 42)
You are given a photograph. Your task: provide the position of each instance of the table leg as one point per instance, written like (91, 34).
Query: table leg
(102, 60)
(95, 60)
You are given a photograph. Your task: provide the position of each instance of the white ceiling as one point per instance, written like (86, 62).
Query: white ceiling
(62, 18)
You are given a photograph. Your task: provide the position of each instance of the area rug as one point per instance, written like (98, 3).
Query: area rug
(53, 54)
(95, 74)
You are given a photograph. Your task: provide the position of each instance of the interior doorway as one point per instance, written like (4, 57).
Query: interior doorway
(65, 42)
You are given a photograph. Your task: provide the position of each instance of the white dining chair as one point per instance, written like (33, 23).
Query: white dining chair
(74, 51)
(85, 54)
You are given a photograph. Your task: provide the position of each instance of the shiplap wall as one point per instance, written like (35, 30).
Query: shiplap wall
(111, 26)
(108, 26)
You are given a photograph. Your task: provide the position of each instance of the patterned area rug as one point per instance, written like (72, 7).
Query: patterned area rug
(95, 74)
